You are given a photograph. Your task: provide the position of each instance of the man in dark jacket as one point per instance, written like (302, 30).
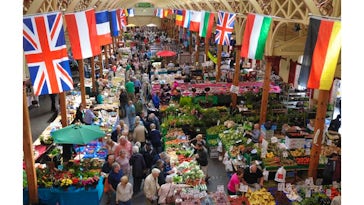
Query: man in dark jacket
(154, 136)
(201, 158)
(138, 167)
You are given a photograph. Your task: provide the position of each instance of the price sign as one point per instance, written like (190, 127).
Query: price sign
(220, 188)
(243, 188)
(328, 192)
(234, 89)
(285, 154)
(280, 186)
(329, 142)
(288, 187)
(248, 141)
(308, 193)
(335, 184)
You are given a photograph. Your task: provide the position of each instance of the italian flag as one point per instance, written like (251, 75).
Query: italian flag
(255, 36)
(206, 23)
(322, 50)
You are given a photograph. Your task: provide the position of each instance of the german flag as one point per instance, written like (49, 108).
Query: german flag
(322, 50)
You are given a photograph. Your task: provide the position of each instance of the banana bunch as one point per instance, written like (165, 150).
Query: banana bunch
(260, 197)
(270, 155)
(298, 152)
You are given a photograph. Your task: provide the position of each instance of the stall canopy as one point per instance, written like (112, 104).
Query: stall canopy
(166, 53)
(77, 134)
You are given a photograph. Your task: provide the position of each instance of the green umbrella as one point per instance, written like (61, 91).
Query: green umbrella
(77, 134)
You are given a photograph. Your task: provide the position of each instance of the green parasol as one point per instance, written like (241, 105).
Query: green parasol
(77, 134)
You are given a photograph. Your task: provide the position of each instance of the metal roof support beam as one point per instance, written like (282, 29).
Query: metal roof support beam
(227, 6)
(212, 9)
(34, 7)
(72, 6)
(312, 7)
(256, 6)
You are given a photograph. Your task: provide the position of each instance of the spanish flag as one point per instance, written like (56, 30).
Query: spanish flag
(322, 50)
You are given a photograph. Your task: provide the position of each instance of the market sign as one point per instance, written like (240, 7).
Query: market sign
(144, 5)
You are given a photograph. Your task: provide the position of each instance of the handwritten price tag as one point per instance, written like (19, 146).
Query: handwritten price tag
(243, 188)
(280, 186)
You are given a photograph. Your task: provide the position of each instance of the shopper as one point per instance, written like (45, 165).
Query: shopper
(332, 170)
(114, 179)
(115, 135)
(131, 114)
(151, 187)
(255, 134)
(139, 132)
(335, 124)
(166, 190)
(124, 144)
(138, 166)
(79, 115)
(155, 138)
(156, 100)
(107, 166)
(253, 177)
(89, 115)
(202, 159)
(150, 155)
(123, 100)
(123, 162)
(130, 90)
(111, 146)
(159, 164)
(234, 182)
(124, 191)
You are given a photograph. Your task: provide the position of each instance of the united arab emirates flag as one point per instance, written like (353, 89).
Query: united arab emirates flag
(255, 35)
(322, 50)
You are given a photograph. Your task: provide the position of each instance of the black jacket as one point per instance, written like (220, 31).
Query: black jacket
(138, 163)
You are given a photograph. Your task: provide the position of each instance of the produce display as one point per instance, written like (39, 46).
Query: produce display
(260, 197)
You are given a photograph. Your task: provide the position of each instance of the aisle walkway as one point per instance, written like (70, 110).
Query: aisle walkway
(216, 172)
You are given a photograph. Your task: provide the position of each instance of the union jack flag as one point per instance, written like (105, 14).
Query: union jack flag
(224, 27)
(46, 53)
(122, 17)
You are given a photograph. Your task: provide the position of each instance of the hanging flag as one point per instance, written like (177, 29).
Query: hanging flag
(122, 18)
(130, 12)
(195, 18)
(255, 36)
(179, 18)
(322, 50)
(159, 13)
(224, 27)
(103, 27)
(207, 21)
(45, 52)
(114, 22)
(186, 20)
(82, 32)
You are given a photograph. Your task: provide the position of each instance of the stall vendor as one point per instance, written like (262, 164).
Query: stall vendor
(253, 177)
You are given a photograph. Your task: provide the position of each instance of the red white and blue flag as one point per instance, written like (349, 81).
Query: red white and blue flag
(82, 34)
(224, 27)
(103, 27)
(45, 51)
(114, 22)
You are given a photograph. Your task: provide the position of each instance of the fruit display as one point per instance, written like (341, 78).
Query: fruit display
(328, 150)
(190, 172)
(298, 152)
(260, 197)
(174, 133)
(302, 160)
